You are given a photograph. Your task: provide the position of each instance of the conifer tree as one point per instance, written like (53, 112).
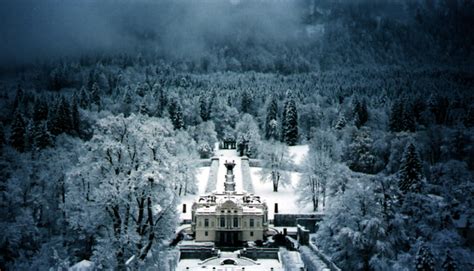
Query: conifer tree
(41, 136)
(408, 119)
(341, 123)
(84, 99)
(176, 115)
(396, 115)
(449, 264)
(75, 116)
(402, 117)
(60, 121)
(290, 123)
(271, 119)
(204, 108)
(19, 98)
(361, 114)
(424, 260)
(246, 103)
(359, 155)
(410, 174)
(40, 110)
(18, 132)
(95, 95)
(2, 136)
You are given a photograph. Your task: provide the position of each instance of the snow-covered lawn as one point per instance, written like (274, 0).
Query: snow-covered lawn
(286, 197)
(298, 153)
(202, 174)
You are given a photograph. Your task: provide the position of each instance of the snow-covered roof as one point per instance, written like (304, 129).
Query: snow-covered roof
(83, 265)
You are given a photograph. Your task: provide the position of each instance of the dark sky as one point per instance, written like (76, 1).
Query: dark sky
(41, 29)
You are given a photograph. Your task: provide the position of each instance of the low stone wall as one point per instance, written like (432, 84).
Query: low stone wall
(311, 224)
(255, 163)
(246, 177)
(303, 235)
(291, 220)
(259, 253)
(332, 266)
(212, 180)
(203, 163)
(197, 252)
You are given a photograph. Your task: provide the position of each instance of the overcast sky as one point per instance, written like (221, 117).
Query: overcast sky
(42, 29)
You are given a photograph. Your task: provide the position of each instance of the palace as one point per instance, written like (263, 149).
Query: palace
(229, 218)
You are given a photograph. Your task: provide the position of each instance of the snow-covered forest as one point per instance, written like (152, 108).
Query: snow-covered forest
(108, 108)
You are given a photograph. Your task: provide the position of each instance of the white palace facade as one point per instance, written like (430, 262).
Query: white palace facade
(229, 218)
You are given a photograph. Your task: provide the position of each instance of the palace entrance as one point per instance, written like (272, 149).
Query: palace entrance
(229, 238)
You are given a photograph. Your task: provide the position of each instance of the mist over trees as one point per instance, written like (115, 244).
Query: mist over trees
(105, 115)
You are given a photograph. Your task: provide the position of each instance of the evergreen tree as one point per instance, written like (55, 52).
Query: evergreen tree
(84, 99)
(41, 136)
(19, 98)
(271, 119)
(341, 123)
(246, 103)
(176, 115)
(40, 110)
(402, 117)
(18, 133)
(290, 123)
(359, 154)
(95, 95)
(2, 136)
(424, 260)
(408, 119)
(396, 116)
(75, 116)
(361, 113)
(204, 108)
(449, 264)
(60, 121)
(410, 174)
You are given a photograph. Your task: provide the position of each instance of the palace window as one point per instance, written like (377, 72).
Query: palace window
(251, 233)
(206, 222)
(206, 233)
(236, 222)
(222, 222)
(252, 223)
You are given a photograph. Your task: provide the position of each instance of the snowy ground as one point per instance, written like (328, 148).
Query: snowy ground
(286, 197)
(229, 155)
(202, 174)
(243, 264)
(298, 153)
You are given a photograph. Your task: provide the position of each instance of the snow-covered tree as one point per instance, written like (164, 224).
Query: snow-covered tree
(248, 136)
(246, 102)
(424, 260)
(361, 114)
(289, 133)
(122, 186)
(271, 123)
(359, 154)
(41, 137)
(449, 263)
(176, 114)
(410, 173)
(276, 163)
(205, 107)
(2, 136)
(353, 231)
(60, 118)
(313, 185)
(18, 132)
